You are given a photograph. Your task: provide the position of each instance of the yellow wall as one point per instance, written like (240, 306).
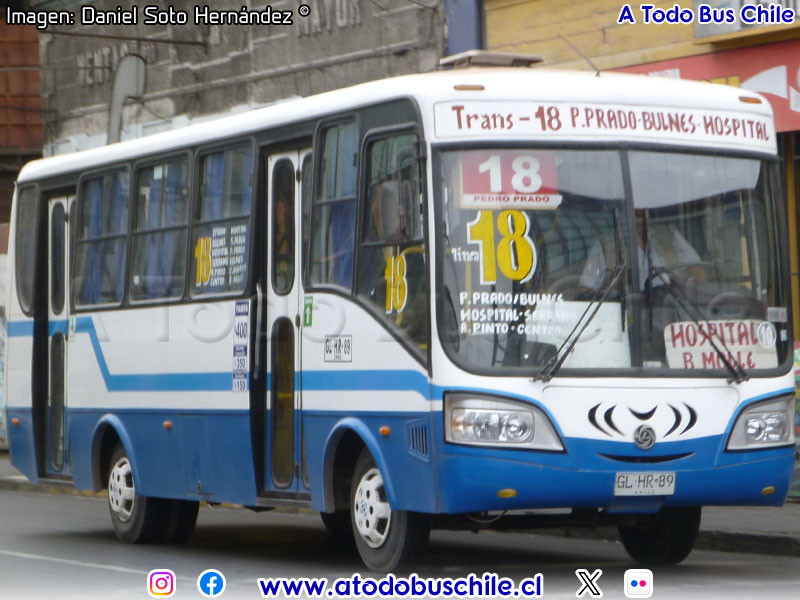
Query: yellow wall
(534, 27)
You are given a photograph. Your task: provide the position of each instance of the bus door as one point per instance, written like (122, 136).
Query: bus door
(56, 461)
(284, 452)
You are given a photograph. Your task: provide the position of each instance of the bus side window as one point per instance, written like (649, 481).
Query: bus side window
(282, 197)
(221, 233)
(305, 198)
(102, 244)
(392, 270)
(26, 237)
(333, 219)
(159, 234)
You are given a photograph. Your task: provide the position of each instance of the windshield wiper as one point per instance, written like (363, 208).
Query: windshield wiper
(554, 364)
(738, 374)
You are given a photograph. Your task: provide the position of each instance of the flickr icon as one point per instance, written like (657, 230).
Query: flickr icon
(638, 583)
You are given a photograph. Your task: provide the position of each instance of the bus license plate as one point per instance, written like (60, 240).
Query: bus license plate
(645, 483)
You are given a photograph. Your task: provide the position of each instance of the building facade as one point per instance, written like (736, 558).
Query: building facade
(20, 106)
(199, 68)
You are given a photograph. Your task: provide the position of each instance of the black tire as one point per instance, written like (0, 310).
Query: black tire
(339, 527)
(136, 519)
(663, 539)
(181, 520)
(392, 540)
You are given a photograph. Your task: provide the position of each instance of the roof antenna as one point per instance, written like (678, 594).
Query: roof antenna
(586, 58)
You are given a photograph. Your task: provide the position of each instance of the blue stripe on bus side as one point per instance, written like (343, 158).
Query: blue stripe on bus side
(372, 380)
(152, 382)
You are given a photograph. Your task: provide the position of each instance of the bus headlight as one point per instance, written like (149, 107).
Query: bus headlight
(478, 420)
(763, 425)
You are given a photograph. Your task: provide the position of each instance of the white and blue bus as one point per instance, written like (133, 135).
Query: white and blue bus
(427, 301)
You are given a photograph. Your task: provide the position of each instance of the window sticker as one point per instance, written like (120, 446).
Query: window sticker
(220, 254)
(509, 179)
(241, 346)
(308, 311)
(750, 342)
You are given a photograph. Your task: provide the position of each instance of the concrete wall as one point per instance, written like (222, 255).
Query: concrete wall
(342, 42)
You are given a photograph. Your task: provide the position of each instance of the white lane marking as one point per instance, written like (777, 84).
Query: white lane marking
(78, 563)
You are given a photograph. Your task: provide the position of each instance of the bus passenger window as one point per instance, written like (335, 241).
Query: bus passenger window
(101, 248)
(282, 196)
(305, 198)
(221, 236)
(392, 269)
(333, 220)
(26, 236)
(159, 236)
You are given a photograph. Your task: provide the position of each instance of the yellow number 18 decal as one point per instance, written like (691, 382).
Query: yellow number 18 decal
(515, 255)
(202, 256)
(396, 285)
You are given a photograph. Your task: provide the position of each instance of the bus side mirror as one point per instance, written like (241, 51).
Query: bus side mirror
(396, 211)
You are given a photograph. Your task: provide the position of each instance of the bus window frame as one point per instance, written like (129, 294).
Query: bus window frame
(29, 310)
(782, 277)
(82, 177)
(194, 212)
(137, 166)
(353, 116)
(371, 136)
(295, 227)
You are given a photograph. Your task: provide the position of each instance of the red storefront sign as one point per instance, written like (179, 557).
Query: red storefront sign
(772, 70)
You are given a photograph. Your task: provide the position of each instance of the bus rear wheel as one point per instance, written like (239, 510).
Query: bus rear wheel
(385, 538)
(662, 539)
(181, 520)
(136, 519)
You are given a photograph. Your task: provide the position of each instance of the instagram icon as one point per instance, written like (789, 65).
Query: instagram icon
(161, 583)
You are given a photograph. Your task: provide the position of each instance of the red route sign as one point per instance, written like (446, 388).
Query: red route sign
(508, 179)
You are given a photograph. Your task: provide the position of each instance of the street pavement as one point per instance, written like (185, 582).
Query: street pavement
(63, 547)
(762, 530)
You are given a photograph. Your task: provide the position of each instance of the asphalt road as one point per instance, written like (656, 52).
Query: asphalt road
(63, 547)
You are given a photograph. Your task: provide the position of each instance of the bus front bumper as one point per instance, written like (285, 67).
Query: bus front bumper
(481, 479)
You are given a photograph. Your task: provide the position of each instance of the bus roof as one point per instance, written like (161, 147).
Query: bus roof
(501, 89)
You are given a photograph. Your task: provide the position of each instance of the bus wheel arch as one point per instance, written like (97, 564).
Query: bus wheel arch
(108, 433)
(342, 450)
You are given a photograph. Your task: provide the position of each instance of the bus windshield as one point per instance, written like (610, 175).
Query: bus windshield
(529, 238)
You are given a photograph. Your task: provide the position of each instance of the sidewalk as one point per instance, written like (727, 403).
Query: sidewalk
(761, 530)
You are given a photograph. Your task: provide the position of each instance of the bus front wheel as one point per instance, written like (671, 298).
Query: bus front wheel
(665, 538)
(385, 538)
(339, 527)
(136, 519)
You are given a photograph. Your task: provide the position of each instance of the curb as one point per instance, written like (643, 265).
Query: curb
(721, 541)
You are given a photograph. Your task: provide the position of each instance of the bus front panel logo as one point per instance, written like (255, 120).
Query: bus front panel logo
(644, 437)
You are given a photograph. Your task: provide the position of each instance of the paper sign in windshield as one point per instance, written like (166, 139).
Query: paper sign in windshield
(503, 179)
(749, 342)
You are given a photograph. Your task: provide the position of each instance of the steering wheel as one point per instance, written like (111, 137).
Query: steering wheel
(735, 300)
(667, 269)
(569, 286)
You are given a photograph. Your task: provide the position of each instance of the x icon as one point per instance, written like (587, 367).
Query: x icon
(589, 585)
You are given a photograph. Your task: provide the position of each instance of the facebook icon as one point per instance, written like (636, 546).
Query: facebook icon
(211, 583)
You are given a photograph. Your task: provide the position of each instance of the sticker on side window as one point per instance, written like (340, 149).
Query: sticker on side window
(241, 346)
